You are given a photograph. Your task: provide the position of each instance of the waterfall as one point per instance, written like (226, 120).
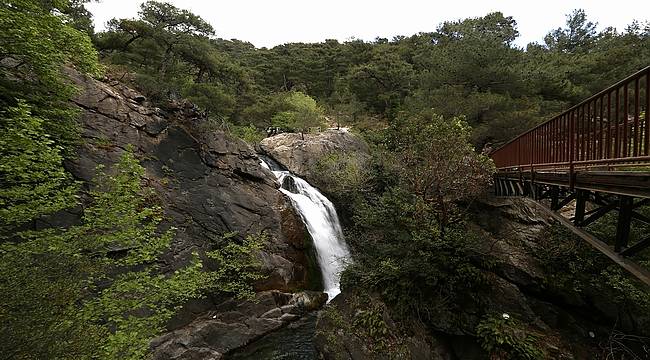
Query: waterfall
(319, 215)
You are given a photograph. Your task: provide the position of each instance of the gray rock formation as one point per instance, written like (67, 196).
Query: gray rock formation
(234, 324)
(300, 155)
(209, 184)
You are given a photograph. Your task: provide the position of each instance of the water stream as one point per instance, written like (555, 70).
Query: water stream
(293, 342)
(319, 215)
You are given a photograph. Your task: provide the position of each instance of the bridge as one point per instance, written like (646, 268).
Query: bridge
(588, 161)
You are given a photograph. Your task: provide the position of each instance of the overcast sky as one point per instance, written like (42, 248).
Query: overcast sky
(267, 23)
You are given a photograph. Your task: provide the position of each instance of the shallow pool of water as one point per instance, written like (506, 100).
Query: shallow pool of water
(295, 342)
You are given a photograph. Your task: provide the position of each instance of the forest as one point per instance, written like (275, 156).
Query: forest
(95, 289)
(466, 68)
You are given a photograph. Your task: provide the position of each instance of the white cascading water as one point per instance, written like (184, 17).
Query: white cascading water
(319, 215)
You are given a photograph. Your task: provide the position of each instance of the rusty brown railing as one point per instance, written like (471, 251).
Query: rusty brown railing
(608, 130)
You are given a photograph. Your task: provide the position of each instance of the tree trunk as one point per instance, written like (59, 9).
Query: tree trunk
(442, 217)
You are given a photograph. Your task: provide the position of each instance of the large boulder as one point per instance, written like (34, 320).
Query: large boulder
(300, 153)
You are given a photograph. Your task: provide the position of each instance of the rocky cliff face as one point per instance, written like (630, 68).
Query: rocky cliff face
(209, 184)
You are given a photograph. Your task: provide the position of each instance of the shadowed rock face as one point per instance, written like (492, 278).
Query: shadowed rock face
(208, 183)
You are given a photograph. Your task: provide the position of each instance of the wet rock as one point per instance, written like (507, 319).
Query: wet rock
(208, 182)
(156, 127)
(273, 313)
(232, 326)
(289, 317)
(288, 309)
(289, 184)
(309, 300)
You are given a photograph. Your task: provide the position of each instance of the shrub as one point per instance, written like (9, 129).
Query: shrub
(504, 338)
(249, 133)
(300, 113)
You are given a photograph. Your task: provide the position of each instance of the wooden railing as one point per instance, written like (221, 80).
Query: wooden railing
(608, 130)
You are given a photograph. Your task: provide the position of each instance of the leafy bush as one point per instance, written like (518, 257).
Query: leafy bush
(238, 265)
(346, 179)
(363, 319)
(344, 173)
(33, 180)
(211, 98)
(249, 133)
(506, 339)
(409, 241)
(300, 113)
(400, 254)
(37, 40)
(574, 266)
(436, 161)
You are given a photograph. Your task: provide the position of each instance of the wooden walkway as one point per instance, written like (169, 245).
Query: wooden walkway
(595, 155)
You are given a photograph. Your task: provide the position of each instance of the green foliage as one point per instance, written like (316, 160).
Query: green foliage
(37, 39)
(33, 181)
(171, 53)
(505, 338)
(436, 162)
(409, 239)
(468, 67)
(238, 265)
(211, 98)
(344, 107)
(334, 344)
(284, 120)
(575, 267)
(579, 36)
(371, 322)
(382, 82)
(94, 289)
(300, 113)
(35, 36)
(400, 254)
(249, 133)
(344, 172)
(363, 319)
(138, 304)
(39, 315)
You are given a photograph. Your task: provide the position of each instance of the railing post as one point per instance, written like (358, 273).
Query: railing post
(581, 200)
(623, 225)
(555, 197)
(646, 149)
(571, 149)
